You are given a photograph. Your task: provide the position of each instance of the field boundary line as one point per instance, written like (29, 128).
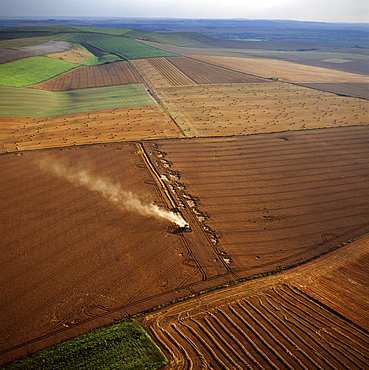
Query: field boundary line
(154, 96)
(270, 79)
(156, 176)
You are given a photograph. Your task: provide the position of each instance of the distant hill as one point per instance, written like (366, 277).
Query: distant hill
(218, 28)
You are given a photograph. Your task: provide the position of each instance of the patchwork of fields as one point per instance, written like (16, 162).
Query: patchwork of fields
(268, 174)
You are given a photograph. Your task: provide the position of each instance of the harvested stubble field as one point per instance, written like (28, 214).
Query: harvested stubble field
(269, 201)
(78, 261)
(239, 109)
(274, 322)
(118, 73)
(283, 70)
(341, 82)
(182, 71)
(123, 124)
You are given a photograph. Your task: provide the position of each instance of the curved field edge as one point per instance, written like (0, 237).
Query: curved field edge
(289, 302)
(22, 102)
(123, 345)
(29, 71)
(123, 47)
(290, 274)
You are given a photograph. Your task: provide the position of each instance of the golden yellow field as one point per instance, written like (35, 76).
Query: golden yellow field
(125, 124)
(74, 55)
(237, 109)
(283, 70)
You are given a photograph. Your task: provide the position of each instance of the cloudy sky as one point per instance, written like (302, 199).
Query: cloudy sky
(306, 10)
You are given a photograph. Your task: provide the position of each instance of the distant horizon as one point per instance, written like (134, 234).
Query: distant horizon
(326, 11)
(57, 17)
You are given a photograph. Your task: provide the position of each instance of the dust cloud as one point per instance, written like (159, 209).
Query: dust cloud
(123, 199)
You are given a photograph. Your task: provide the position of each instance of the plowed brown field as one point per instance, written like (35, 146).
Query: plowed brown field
(276, 199)
(272, 322)
(72, 261)
(122, 124)
(118, 73)
(181, 71)
(254, 204)
(238, 109)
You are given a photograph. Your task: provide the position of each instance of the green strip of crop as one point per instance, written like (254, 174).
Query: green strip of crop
(29, 71)
(124, 345)
(122, 46)
(25, 102)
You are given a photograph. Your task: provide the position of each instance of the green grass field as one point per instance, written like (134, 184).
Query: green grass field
(176, 38)
(26, 102)
(107, 31)
(123, 47)
(29, 71)
(124, 346)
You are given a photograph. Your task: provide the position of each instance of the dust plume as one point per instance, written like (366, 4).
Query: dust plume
(111, 191)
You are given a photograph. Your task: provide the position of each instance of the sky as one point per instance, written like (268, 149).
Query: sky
(355, 11)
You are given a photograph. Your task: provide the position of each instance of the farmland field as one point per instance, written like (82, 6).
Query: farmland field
(78, 260)
(119, 73)
(267, 200)
(23, 102)
(177, 71)
(122, 124)
(285, 71)
(292, 208)
(270, 322)
(10, 54)
(75, 54)
(341, 82)
(239, 109)
(266, 159)
(29, 71)
(124, 345)
(121, 46)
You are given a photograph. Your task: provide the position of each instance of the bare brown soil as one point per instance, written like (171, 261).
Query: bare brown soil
(285, 71)
(272, 322)
(182, 71)
(118, 73)
(10, 54)
(111, 125)
(72, 261)
(254, 204)
(239, 109)
(267, 201)
(339, 280)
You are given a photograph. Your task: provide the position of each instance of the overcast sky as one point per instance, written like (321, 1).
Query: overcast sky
(305, 10)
